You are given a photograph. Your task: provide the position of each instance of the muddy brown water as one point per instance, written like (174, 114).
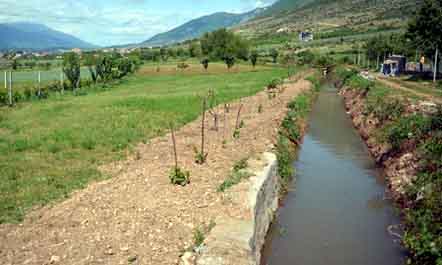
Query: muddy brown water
(336, 212)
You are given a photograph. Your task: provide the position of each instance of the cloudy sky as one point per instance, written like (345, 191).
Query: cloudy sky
(111, 22)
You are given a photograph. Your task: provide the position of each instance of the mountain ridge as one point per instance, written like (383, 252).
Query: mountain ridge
(37, 37)
(197, 27)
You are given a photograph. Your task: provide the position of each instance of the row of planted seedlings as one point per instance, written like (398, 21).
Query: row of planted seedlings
(406, 131)
(209, 104)
(239, 172)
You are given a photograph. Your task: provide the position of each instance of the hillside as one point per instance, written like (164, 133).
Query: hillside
(197, 27)
(29, 36)
(293, 16)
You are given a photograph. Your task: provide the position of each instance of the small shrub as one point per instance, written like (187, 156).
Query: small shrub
(274, 84)
(240, 164)
(179, 177)
(200, 158)
(260, 108)
(236, 133)
(241, 124)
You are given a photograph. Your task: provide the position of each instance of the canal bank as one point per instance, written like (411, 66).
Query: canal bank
(337, 213)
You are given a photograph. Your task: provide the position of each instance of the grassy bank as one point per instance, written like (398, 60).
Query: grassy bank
(292, 130)
(406, 132)
(49, 148)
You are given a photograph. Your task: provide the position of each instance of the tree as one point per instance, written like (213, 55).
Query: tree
(274, 54)
(229, 60)
(223, 43)
(163, 54)
(124, 66)
(205, 63)
(91, 62)
(104, 68)
(71, 68)
(14, 64)
(254, 57)
(194, 50)
(425, 30)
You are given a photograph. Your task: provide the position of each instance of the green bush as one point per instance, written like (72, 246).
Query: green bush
(359, 83)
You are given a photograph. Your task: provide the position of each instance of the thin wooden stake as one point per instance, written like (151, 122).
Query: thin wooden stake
(202, 127)
(174, 146)
(238, 116)
(6, 80)
(435, 66)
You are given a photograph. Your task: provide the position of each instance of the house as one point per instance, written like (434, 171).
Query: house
(394, 65)
(305, 36)
(76, 50)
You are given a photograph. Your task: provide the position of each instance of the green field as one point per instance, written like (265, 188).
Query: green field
(49, 148)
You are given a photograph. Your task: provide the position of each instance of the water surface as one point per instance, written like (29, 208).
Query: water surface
(336, 213)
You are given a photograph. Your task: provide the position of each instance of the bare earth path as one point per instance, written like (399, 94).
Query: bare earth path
(394, 85)
(138, 217)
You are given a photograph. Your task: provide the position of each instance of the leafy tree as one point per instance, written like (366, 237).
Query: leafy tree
(104, 68)
(274, 54)
(14, 64)
(229, 60)
(223, 43)
(124, 66)
(195, 50)
(91, 62)
(205, 63)
(163, 53)
(425, 30)
(254, 57)
(71, 68)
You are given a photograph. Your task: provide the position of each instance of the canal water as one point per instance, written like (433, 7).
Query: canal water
(336, 212)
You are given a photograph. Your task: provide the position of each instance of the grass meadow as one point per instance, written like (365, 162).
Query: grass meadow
(49, 148)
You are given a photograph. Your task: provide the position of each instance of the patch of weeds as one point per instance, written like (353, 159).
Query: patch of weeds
(236, 133)
(200, 233)
(412, 127)
(274, 83)
(385, 109)
(88, 144)
(200, 158)
(20, 145)
(240, 164)
(179, 177)
(315, 81)
(238, 174)
(241, 124)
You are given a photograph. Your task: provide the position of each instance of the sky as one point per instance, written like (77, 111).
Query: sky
(113, 22)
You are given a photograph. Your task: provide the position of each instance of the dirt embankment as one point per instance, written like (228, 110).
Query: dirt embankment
(399, 168)
(138, 217)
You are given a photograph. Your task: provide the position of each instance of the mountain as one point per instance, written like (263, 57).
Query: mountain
(30, 36)
(328, 16)
(197, 27)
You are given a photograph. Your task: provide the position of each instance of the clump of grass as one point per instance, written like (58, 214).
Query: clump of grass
(238, 174)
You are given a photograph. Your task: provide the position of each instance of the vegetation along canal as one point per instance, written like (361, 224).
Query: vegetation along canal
(337, 214)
